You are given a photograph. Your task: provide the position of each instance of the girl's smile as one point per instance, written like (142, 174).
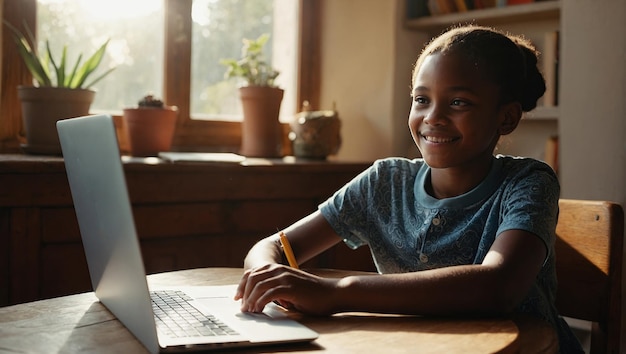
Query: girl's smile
(434, 139)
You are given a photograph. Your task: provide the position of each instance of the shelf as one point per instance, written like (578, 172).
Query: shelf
(543, 113)
(515, 13)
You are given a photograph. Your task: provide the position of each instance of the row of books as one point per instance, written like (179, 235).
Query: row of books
(420, 8)
(550, 68)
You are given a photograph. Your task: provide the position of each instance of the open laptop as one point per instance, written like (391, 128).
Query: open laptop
(98, 186)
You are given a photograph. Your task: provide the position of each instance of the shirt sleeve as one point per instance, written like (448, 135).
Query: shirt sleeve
(531, 203)
(347, 210)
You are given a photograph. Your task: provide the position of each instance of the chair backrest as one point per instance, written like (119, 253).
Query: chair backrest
(589, 268)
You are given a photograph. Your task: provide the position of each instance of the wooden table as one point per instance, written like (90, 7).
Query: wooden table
(79, 323)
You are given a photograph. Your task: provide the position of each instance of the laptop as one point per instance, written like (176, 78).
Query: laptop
(103, 209)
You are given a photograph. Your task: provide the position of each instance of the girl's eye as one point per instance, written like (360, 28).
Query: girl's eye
(420, 99)
(459, 102)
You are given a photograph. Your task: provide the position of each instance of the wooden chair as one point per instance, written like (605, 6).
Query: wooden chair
(589, 268)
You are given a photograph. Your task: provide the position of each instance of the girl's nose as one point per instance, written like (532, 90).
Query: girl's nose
(436, 115)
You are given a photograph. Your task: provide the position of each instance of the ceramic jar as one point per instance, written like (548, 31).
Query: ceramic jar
(315, 134)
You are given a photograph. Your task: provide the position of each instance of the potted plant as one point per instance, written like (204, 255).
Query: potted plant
(60, 91)
(150, 126)
(261, 133)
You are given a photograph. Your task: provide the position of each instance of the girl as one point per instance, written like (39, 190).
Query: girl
(457, 232)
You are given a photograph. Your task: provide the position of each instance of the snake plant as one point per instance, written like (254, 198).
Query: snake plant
(40, 65)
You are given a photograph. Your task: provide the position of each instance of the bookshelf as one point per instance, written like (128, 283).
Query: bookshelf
(538, 21)
(536, 11)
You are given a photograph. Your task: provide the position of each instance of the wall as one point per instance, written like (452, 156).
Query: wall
(592, 127)
(366, 65)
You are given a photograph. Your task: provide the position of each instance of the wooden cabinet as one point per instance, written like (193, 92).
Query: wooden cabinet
(187, 215)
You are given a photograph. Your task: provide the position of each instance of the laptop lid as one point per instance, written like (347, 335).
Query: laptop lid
(98, 187)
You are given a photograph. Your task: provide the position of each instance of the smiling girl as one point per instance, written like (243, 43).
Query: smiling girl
(457, 232)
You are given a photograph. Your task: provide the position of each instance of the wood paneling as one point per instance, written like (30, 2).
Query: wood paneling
(187, 216)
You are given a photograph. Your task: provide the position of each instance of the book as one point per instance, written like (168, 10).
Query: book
(417, 8)
(446, 6)
(217, 157)
(517, 2)
(433, 7)
(461, 5)
(552, 153)
(550, 68)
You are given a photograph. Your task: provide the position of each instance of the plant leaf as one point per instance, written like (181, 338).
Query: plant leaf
(89, 66)
(29, 55)
(70, 78)
(99, 78)
(57, 69)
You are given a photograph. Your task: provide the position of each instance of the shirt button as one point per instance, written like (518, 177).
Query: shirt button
(423, 258)
(436, 221)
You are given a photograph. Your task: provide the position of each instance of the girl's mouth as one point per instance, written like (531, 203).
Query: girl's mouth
(437, 139)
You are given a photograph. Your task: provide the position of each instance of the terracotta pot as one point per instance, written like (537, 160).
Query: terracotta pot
(42, 107)
(150, 129)
(261, 134)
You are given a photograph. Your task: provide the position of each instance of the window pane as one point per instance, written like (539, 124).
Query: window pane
(136, 32)
(218, 29)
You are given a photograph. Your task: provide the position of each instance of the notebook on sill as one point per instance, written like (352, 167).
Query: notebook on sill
(98, 187)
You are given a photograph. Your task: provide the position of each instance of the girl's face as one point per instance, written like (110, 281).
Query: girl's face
(455, 119)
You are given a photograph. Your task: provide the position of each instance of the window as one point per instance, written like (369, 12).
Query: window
(171, 28)
(218, 27)
(135, 31)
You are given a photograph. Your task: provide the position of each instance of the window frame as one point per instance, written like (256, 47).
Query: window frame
(191, 135)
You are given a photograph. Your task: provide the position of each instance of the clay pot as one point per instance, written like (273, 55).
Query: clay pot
(261, 134)
(42, 107)
(150, 129)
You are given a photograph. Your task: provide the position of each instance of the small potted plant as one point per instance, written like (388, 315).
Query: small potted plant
(261, 133)
(57, 93)
(150, 126)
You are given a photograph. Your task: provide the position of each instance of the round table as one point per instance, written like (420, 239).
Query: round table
(377, 333)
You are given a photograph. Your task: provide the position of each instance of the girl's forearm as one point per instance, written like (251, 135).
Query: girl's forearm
(471, 289)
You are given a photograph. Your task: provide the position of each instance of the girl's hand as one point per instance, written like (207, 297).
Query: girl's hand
(291, 288)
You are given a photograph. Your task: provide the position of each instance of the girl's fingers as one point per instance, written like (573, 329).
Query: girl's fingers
(242, 285)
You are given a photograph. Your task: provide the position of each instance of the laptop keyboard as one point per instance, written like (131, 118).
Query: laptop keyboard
(175, 317)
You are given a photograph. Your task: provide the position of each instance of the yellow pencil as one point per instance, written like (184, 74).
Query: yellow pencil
(288, 251)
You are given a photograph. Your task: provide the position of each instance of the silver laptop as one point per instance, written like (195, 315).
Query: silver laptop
(98, 186)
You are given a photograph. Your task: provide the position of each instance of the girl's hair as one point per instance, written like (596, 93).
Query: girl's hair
(509, 61)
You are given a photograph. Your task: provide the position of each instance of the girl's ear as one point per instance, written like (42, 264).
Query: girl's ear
(512, 113)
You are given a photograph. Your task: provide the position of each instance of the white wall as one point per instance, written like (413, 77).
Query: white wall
(593, 114)
(363, 75)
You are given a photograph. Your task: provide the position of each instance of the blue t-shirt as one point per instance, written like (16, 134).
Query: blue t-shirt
(387, 208)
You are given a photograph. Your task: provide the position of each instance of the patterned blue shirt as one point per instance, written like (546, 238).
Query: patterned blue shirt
(387, 208)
